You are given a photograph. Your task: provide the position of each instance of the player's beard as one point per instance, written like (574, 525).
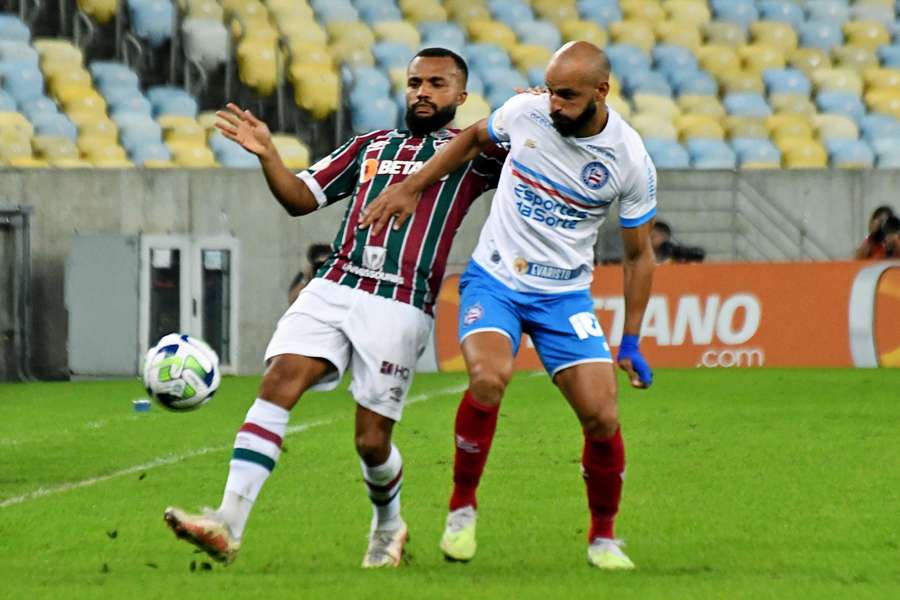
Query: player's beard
(422, 126)
(568, 127)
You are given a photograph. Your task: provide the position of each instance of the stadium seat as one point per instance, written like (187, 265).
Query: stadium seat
(675, 33)
(399, 32)
(711, 154)
(13, 29)
(257, 66)
(474, 109)
(739, 12)
(746, 104)
(855, 58)
(192, 155)
(756, 153)
(660, 105)
(688, 82)
(760, 57)
(718, 59)
(23, 83)
(841, 103)
(504, 81)
(510, 12)
(634, 33)
(484, 57)
(786, 81)
(51, 148)
(804, 154)
(641, 10)
(526, 57)
(742, 81)
(140, 134)
(809, 59)
(669, 58)
(16, 51)
(746, 127)
(378, 12)
(317, 91)
(152, 20)
(687, 11)
(878, 78)
(619, 104)
(574, 29)
(889, 55)
(602, 12)
(823, 35)
(205, 42)
(554, 11)
(667, 154)
(723, 33)
(781, 10)
(775, 34)
(418, 11)
(831, 126)
(694, 126)
(465, 12)
(874, 126)
(648, 82)
(653, 126)
(56, 125)
(784, 126)
(182, 130)
(702, 105)
(851, 154)
(538, 33)
(379, 113)
(492, 32)
(294, 153)
(445, 35)
(150, 152)
(625, 58)
(837, 80)
(836, 11)
(869, 34)
(792, 103)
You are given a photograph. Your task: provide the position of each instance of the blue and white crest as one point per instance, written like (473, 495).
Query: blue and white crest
(595, 175)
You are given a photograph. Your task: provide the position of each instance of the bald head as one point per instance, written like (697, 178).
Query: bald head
(578, 81)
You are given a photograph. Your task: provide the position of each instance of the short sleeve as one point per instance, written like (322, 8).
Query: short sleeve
(489, 164)
(500, 122)
(637, 204)
(335, 177)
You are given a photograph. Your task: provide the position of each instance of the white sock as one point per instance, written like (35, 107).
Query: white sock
(383, 483)
(257, 447)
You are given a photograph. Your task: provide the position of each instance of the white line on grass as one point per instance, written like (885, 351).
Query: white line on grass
(176, 458)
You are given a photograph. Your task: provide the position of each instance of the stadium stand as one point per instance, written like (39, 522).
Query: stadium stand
(717, 84)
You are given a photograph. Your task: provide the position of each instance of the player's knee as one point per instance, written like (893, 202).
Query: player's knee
(281, 384)
(601, 423)
(373, 447)
(488, 384)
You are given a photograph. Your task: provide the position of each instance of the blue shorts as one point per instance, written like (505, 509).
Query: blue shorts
(563, 327)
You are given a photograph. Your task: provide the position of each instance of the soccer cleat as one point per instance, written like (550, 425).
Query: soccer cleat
(205, 531)
(385, 548)
(458, 541)
(605, 553)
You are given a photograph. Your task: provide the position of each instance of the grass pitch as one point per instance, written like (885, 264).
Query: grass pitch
(740, 484)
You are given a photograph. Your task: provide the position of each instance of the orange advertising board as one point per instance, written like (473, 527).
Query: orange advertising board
(835, 314)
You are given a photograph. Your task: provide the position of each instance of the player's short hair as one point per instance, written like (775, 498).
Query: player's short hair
(883, 211)
(445, 53)
(892, 225)
(317, 254)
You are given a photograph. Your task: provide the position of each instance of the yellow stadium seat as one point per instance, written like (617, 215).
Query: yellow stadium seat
(659, 105)
(678, 33)
(191, 155)
(718, 59)
(204, 9)
(68, 92)
(87, 101)
(13, 149)
(759, 57)
(257, 65)
(256, 28)
(463, 13)
(16, 123)
(759, 165)
(788, 126)
(776, 34)
(492, 32)
(619, 104)
(305, 53)
(207, 120)
(804, 154)
(587, 31)
(298, 31)
(746, 127)
(834, 126)
(28, 162)
(112, 163)
(870, 34)
(100, 149)
(687, 11)
(792, 103)
(58, 50)
(885, 102)
(709, 106)
(397, 75)
(101, 127)
(555, 11)
(633, 32)
(724, 33)
(473, 110)
(428, 10)
(152, 163)
(294, 154)
(855, 58)
(54, 148)
(397, 31)
(182, 130)
(351, 32)
(878, 78)
(837, 80)
(290, 7)
(101, 10)
(809, 59)
(527, 56)
(317, 91)
(69, 77)
(70, 163)
(694, 126)
(350, 54)
(650, 125)
(743, 81)
(642, 10)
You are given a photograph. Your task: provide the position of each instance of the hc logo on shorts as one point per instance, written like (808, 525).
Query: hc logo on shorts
(595, 175)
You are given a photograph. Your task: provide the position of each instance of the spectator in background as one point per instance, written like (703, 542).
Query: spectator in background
(874, 246)
(891, 230)
(667, 250)
(316, 255)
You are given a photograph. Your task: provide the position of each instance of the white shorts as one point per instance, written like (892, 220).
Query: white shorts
(379, 339)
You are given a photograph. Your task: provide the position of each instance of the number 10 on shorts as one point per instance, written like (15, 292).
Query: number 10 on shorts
(586, 325)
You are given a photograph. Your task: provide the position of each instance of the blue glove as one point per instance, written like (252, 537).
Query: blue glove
(632, 362)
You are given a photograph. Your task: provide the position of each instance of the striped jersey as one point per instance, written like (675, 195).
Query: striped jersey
(408, 264)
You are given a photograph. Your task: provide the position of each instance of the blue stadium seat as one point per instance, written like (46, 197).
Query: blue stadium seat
(444, 35)
(22, 82)
(375, 12)
(886, 145)
(781, 10)
(14, 50)
(37, 106)
(14, 29)
(392, 54)
(603, 12)
(183, 106)
(475, 85)
(378, 113)
(746, 104)
(152, 20)
(856, 152)
(112, 73)
(646, 82)
(842, 103)
(135, 133)
(538, 33)
(150, 151)
(889, 161)
(484, 57)
(836, 11)
(536, 76)
(786, 81)
(820, 34)
(874, 126)
(754, 150)
(505, 80)
(236, 157)
(510, 12)
(741, 12)
(56, 125)
(370, 80)
(711, 154)
(667, 154)
(667, 57)
(133, 104)
(335, 10)
(889, 56)
(114, 94)
(693, 83)
(7, 102)
(625, 58)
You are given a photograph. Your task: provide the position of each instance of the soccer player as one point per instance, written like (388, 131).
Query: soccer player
(369, 307)
(570, 157)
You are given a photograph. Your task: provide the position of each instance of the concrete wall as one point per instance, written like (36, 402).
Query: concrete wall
(704, 208)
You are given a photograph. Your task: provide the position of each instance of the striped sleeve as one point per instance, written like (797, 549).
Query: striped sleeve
(335, 177)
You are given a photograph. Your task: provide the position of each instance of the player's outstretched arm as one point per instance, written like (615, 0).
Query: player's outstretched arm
(400, 200)
(239, 125)
(638, 264)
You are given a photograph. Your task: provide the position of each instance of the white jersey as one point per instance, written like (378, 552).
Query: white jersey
(555, 192)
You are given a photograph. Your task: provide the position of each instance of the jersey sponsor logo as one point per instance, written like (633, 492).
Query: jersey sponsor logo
(540, 119)
(372, 274)
(548, 211)
(372, 167)
(369, 167)
(373, 257)
(395, 370)
(595, 175)
(473, 314)
(523, 267)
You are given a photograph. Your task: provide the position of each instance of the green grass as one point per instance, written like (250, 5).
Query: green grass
(740, 484)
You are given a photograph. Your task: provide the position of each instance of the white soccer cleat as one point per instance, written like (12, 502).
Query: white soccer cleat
(607, 554)
(385, 548)
(458, 541)
(206, 531)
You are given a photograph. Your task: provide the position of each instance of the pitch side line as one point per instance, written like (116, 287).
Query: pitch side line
(172, 459)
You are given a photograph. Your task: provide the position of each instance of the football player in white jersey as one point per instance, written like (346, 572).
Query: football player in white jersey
(570, 158)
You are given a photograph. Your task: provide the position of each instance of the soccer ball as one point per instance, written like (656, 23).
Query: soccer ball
(181, 372)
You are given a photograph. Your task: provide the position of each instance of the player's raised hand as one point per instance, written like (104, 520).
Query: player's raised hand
(240, 126)
(396, 202)
(633, 363)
